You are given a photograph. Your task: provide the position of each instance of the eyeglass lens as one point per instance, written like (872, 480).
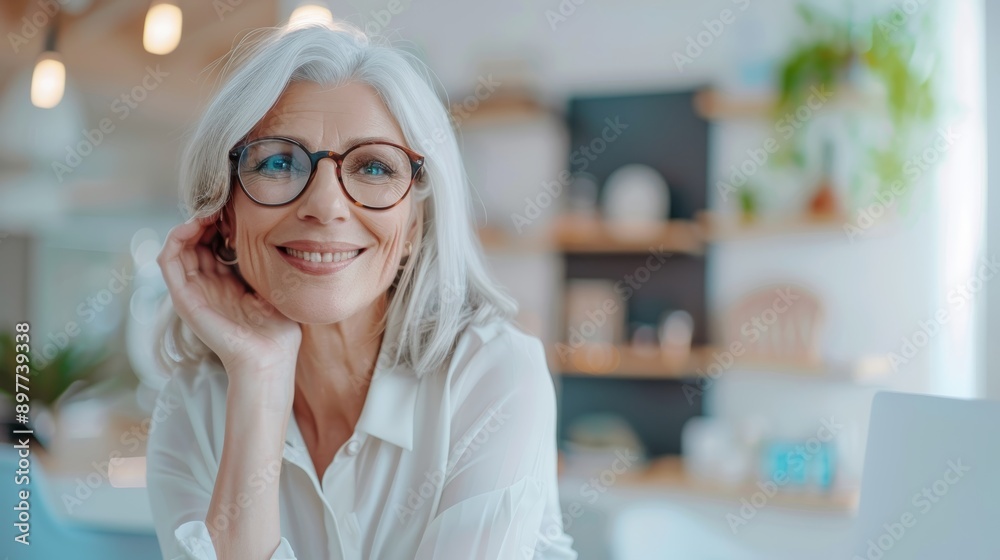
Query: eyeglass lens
(275, 171)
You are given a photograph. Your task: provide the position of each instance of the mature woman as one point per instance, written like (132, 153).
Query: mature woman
(346, 379)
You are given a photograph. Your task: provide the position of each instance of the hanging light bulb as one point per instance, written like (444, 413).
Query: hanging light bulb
(162, 32)
(48, 81)
(311, 13)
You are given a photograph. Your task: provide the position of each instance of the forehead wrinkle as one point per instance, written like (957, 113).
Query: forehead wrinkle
(321, 129)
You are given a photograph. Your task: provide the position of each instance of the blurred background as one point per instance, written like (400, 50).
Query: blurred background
(730, 221)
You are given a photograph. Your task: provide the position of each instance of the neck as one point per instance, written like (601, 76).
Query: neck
(335, 365)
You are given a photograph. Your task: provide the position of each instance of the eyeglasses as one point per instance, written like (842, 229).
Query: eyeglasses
(274, 171)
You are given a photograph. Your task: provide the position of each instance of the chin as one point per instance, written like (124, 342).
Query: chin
(314, 315)
(318, 313)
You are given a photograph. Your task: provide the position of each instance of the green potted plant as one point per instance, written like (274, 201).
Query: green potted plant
(840, 53)
(749, 205)
(75, 366)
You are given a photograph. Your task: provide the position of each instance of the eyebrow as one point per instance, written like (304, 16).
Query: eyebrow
(349, 142)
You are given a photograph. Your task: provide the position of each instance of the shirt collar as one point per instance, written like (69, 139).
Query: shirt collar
(390, 406)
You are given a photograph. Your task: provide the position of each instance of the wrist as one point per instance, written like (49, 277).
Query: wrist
(256, 395)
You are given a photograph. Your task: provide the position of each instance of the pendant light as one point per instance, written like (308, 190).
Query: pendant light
(48, 81)
(311, 12)
(162, 31)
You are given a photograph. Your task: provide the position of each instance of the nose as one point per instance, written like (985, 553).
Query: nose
(324, 199)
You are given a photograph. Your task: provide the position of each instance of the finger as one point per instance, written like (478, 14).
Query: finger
(172, 265)
(213, 272)
(210, 231)
(188, 254)
(169, 257)
(223, 269)
(206, 261)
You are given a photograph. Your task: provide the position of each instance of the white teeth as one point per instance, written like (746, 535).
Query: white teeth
(322, 257)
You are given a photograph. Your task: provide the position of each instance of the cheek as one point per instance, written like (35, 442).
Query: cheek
(390, 232)
(256, 258)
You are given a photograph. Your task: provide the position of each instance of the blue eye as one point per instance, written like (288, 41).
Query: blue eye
(279, 165)
(274, 163)
(376, 168)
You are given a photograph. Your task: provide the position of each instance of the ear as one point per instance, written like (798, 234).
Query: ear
(226, 219)
(415, 230)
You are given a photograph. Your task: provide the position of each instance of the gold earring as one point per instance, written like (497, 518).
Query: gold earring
(406, 255)
(224, 259)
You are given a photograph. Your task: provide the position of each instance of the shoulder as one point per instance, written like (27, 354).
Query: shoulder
(198, 387)
(190, 410)
(497, 360)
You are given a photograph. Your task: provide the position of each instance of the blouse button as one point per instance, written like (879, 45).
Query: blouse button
(353, 447)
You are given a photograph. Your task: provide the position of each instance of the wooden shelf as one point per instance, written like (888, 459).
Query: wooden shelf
(582, 235)
(715, 105)
(689, 237)
(569, 235)
(625, 362)
(669, 473)
(719, 230)
(499, 240)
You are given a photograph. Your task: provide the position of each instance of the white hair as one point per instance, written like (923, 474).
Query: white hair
(444, 285)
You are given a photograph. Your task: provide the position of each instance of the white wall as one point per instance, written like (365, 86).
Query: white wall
(876, 291)
(991, 349)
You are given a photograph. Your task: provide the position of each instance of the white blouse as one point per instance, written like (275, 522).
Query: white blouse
(458, 464)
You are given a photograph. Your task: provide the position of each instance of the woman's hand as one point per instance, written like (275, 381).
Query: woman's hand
(245, 331)
(258, 347)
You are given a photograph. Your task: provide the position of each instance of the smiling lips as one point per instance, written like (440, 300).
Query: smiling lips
(319, 258)
(322, 257)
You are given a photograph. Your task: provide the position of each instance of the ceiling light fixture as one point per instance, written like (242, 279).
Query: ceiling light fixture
(162, 31)
(48, 81)
(311, 13)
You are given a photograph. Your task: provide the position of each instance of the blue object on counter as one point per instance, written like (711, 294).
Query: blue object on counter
(799, 464)
(54, 537)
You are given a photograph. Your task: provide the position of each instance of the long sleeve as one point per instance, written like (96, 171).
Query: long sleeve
(499, 492)
(182, 465)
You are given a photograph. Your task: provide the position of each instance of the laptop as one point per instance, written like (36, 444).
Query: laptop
(931, 482)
